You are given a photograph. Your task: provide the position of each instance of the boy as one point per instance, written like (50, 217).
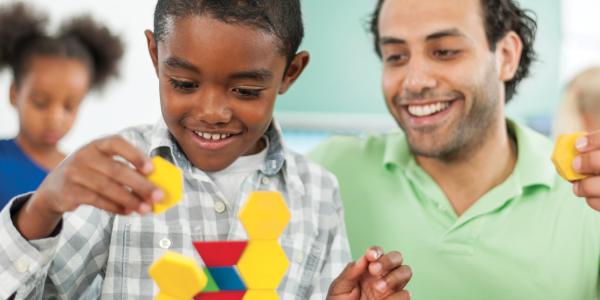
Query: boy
(220, 66)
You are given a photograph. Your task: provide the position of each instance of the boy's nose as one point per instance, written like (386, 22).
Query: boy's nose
(213, 108)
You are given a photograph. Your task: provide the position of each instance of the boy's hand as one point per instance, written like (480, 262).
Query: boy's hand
(588, 163)
(374, 276)
(91, 176)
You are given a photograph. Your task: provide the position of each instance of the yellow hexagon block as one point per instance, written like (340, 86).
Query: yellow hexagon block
(261, 295)
(170, 180)
(262, 265)
(177, 276)
(265, 215)
(563, 155)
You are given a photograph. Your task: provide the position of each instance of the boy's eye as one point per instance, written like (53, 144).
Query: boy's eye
(248, 92)
(185, 86)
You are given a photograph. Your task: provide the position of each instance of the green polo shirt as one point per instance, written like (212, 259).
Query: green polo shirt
(528, 238)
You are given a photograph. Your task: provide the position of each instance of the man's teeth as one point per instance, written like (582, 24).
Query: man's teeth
(212, 136)
(426, 110)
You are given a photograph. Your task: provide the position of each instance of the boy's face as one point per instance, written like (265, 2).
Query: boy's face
(218, 84)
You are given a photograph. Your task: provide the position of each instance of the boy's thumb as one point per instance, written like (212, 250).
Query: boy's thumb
(349, 278)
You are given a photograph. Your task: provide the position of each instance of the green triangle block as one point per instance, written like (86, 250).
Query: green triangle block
(211, 285)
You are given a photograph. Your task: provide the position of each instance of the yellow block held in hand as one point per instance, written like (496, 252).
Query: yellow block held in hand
(178, 277)
(563, 155)
(170, 180)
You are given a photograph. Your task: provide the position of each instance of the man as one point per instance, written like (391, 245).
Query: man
(470, 198)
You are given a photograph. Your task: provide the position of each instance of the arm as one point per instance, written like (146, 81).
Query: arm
(62, 265)
(77, 250)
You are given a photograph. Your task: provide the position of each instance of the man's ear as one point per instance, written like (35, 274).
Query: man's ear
(509, 50)
(294, 70)
(12, 94)
(152, 49)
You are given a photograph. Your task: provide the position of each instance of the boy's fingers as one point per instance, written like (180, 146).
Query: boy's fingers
(349, 278)
(373, 253)
(401, 295)
(106, 188)
(94, 199)
(118, 146)
(124, 175)
(386, 263)
(397, 279)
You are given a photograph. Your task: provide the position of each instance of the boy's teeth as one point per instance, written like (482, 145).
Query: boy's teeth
(426, 110)
(212, 136)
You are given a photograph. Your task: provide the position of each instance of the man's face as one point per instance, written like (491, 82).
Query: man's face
(440, 79)
(218, 84)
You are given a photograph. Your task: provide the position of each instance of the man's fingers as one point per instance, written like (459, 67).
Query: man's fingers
(587, 187)
(118, 146)
(587, 163)
(593, 203)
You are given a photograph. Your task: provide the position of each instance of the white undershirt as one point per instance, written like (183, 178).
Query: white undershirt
(230, 179)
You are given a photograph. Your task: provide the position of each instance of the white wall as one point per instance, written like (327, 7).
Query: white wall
(130, 100)
(581, 36)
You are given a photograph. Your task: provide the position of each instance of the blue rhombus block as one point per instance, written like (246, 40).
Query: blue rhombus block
(227, 278)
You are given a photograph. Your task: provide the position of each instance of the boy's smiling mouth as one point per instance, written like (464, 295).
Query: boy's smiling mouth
(213, 140)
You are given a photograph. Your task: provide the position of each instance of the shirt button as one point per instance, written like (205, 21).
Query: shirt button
(299, 257)
(220, 206)
(164, 243)
(22, 265)
(265, 180)
(441, 207)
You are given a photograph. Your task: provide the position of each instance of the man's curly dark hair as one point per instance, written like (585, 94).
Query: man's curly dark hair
(500, 17)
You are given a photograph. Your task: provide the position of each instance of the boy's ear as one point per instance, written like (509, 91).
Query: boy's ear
(13, 94)
(152, 49)
(294, 70)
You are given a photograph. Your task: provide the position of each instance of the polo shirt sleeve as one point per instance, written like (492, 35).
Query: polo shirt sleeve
(24, 263)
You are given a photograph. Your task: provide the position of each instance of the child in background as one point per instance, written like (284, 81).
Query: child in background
(51, 76)
(580, 107)
(220, 66)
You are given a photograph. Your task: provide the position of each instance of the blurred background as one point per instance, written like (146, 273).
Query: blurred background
(339, 93)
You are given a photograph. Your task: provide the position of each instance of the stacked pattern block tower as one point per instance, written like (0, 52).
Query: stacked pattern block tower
(247, 270)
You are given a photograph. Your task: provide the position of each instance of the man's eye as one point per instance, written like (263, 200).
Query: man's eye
(445, 53)
(396, 58)
(183, 85)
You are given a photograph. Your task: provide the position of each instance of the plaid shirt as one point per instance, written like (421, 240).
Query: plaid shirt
(98, 254)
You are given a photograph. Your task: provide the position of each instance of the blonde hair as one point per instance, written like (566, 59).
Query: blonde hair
(581, 96)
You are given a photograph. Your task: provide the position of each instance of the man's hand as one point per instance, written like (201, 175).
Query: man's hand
(91, 176)
(588, 163)
(374, 276)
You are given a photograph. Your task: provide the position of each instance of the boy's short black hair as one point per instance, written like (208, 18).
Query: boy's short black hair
(283, 18)
(23, 36)
(500, 17)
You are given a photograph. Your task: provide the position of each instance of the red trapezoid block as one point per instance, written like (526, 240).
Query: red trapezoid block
(220, 253)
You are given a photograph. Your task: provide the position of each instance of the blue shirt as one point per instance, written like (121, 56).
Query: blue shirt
(18, 173)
